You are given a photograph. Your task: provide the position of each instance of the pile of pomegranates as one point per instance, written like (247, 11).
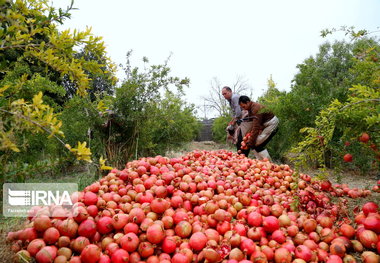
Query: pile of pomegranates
(206, 206)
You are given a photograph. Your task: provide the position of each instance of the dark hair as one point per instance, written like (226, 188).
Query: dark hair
(227, 88)
(244, 99)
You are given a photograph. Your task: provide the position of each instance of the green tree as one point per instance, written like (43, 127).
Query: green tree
(144, 122)
(35, 58)
(101, 83)
(321, 79)
(272, 100)
(344, 120)
(219, 128)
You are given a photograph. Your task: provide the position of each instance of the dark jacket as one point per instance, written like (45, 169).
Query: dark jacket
(259, 117)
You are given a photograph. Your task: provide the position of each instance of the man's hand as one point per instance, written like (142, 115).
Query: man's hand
(249, 144)
(247, 140)
(244, 146)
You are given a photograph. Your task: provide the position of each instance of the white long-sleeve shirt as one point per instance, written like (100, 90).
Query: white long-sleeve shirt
(235, 107)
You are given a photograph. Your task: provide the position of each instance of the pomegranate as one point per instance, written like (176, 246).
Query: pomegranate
(46, 254)
(372, 222)
(334, 259)
(90, 254)
(198, 241)
(370, 207)
(119, 221)
(87, 228)
(120, 256)
(104, 225)
(282, 255)
(183, 229)
(247, 246)
(51, 235)
(80, 243)
(145, 249)
(35, 246)
(155, 233)
(364, 137)
(68, 227)
(90, 198)
(347, 230)
(347, 157)
(338, 248)
(104, 259)
(129, 242)
(254, 219)
(236, 254)
(22, 256)
(270, 224)
(368, 238)
(41, 223)
(180, 258)
(211, 255)
(370, 257)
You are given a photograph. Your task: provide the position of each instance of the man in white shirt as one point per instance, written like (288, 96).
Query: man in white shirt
(233, 129)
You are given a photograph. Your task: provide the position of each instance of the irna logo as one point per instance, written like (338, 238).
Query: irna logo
(44, 198)
(20, 199)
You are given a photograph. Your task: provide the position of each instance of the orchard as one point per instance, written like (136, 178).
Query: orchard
(206, 206)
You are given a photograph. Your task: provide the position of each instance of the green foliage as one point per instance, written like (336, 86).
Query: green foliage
(273, 100)
(345, 120)
(322, 79)
(170, 124)
(84, 125)
(143, 121)
(219, 128)
(101, 83)
(349, 31)
(35, 59)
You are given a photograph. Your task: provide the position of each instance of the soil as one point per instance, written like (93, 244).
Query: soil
(351, 178)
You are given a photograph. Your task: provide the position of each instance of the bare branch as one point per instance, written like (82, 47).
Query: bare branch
(215, 99)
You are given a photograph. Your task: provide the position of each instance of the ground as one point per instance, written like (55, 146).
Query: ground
(351, 178)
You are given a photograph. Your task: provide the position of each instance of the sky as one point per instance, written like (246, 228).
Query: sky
(220, 39)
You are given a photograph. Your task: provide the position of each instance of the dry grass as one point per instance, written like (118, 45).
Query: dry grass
(8, 224)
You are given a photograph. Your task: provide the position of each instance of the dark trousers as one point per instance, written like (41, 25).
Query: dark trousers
(261, 147)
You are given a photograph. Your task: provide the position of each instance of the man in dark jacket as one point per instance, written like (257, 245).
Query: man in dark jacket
(264, 126)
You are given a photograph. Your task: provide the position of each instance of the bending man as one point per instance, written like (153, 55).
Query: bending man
(264, 126)
(233, 129)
